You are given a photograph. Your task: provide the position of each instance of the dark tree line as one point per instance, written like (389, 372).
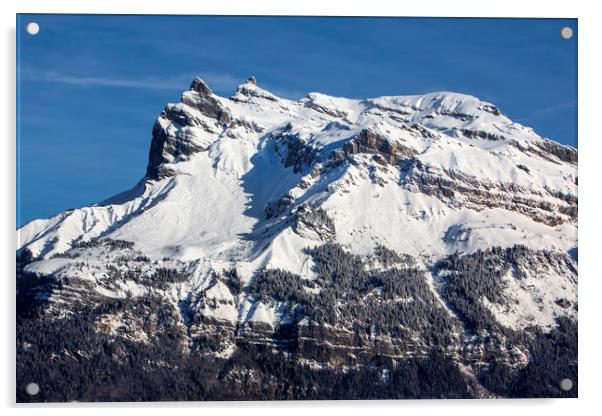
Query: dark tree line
(161, 278)
(74, 358)
(552, 356)
(396, 302)
(71, 360)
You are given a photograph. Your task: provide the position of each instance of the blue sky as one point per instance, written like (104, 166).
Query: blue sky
(90, 87)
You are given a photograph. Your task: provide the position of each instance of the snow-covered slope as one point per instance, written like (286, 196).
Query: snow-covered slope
(258, 213)
(228, 179)
(424, 175)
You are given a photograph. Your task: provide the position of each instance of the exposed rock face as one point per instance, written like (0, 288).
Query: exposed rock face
(200, 87)
(173, 136)
(313, 101)
(167, 146)
(325, 248)
(206, 103)
(564, 153)
(548, 150)
(314, 224)
(295, 151)
(474, 134)
(457, 189)
(347, 318)
(369, 142)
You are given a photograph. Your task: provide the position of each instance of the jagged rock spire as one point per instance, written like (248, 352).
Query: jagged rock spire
(252, 80)
(200, 86)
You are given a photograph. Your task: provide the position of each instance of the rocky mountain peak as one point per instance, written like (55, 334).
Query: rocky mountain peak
(200, 86)
(249, 90)
(386, 236)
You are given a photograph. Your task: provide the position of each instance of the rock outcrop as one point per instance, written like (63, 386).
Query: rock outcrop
(325, 248)
(314, 223)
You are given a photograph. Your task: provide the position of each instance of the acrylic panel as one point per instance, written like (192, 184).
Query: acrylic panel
(276, 208)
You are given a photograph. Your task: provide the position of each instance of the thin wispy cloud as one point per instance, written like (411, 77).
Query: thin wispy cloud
(223, 83)
(149, 82)
(549, 110)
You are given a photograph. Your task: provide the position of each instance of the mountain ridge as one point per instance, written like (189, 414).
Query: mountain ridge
(411, 230)
(186, 144)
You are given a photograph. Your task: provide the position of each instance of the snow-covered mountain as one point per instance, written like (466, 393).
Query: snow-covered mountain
(254, 206)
